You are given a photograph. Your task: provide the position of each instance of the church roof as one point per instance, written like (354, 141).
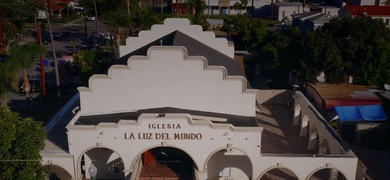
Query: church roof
(235, 120)
(194, 48)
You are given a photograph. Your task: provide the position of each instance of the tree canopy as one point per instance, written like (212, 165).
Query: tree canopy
(20, 143)
(344, 46)
(246, 34)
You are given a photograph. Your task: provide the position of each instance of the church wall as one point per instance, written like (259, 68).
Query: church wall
(167, 78)
(130, 139)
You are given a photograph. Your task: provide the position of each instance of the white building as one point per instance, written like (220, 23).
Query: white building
(310, 21)
(178, 106)
(285, 10)
(226, 7)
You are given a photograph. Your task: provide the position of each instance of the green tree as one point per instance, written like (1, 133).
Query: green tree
(8, 79)
(14, 14)
(24, 56)
(20, 143)
(246, 34)
(145, 18)
(200, 6)
(241, 5)
(318, 53)
(115, 21)
(363, 44)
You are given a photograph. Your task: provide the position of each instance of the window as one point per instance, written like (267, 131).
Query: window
(283, 13)
(388, 21)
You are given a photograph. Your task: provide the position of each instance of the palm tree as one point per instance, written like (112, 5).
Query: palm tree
(145, 19)
(116, 20)
(74, 42)
(8, 80)
(25, 56)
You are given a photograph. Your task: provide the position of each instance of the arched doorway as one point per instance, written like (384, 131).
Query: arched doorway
(229, 164)
(327, 173)
(108, 163)
(57, 172)
(279, 173)
(166, 162)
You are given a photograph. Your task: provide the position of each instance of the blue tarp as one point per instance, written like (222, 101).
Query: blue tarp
(358, 113)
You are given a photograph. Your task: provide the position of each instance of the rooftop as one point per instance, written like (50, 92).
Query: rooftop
(369, 10)
(345, 91)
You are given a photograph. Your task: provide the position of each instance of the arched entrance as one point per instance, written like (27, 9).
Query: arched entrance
(229, 164)
(57, 172)
(108, 163)
(166, 162)
(327, 173)
(279, 173)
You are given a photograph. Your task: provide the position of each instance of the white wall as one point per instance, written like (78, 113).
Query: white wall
(167, 77)
(287, 11)
(274, 96)
(214, 137)
(333, 11)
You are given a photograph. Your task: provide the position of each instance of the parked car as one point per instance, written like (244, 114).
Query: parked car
(36, 85)
(57, 35)
(91, 18)
(45, 39)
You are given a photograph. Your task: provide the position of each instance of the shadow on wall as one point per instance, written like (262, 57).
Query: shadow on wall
(275, 97)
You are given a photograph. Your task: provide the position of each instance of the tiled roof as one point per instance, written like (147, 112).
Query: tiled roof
(369, 10)
(344, 94)
(195, 48)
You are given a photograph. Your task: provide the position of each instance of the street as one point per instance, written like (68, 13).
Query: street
(63, 47)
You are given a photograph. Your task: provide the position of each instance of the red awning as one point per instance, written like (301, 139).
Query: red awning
(350, 102)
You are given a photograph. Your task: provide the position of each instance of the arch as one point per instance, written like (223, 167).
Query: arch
(313, 139)
(297, 107)
(304, 125)
(57, 172)
(113, 165)
(156, 146)
(164, 162)
(230, 163)
(326, 173)
(324, 148)
(297, 114)
(278, 172)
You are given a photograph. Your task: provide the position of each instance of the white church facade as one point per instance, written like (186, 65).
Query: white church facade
(177, 106)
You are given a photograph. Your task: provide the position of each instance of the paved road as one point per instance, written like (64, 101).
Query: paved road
(63, 46)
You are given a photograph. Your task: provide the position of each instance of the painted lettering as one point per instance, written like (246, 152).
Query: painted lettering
(164, 136)
(164, 126)
(187, 136)
(145, 135)
(129, 136)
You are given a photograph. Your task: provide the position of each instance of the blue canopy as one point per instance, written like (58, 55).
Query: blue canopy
(358, 113)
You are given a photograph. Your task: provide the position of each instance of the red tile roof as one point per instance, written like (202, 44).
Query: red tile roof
(369, 10)
(55, 5)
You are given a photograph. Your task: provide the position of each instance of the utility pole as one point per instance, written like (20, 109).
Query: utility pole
(208, 8)
(53, 49)
(86, 32)
(2, 41)
(43, 81)
(162, 7)
(177, 7)
(252, 11)
(96, 18)
(272, 11)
